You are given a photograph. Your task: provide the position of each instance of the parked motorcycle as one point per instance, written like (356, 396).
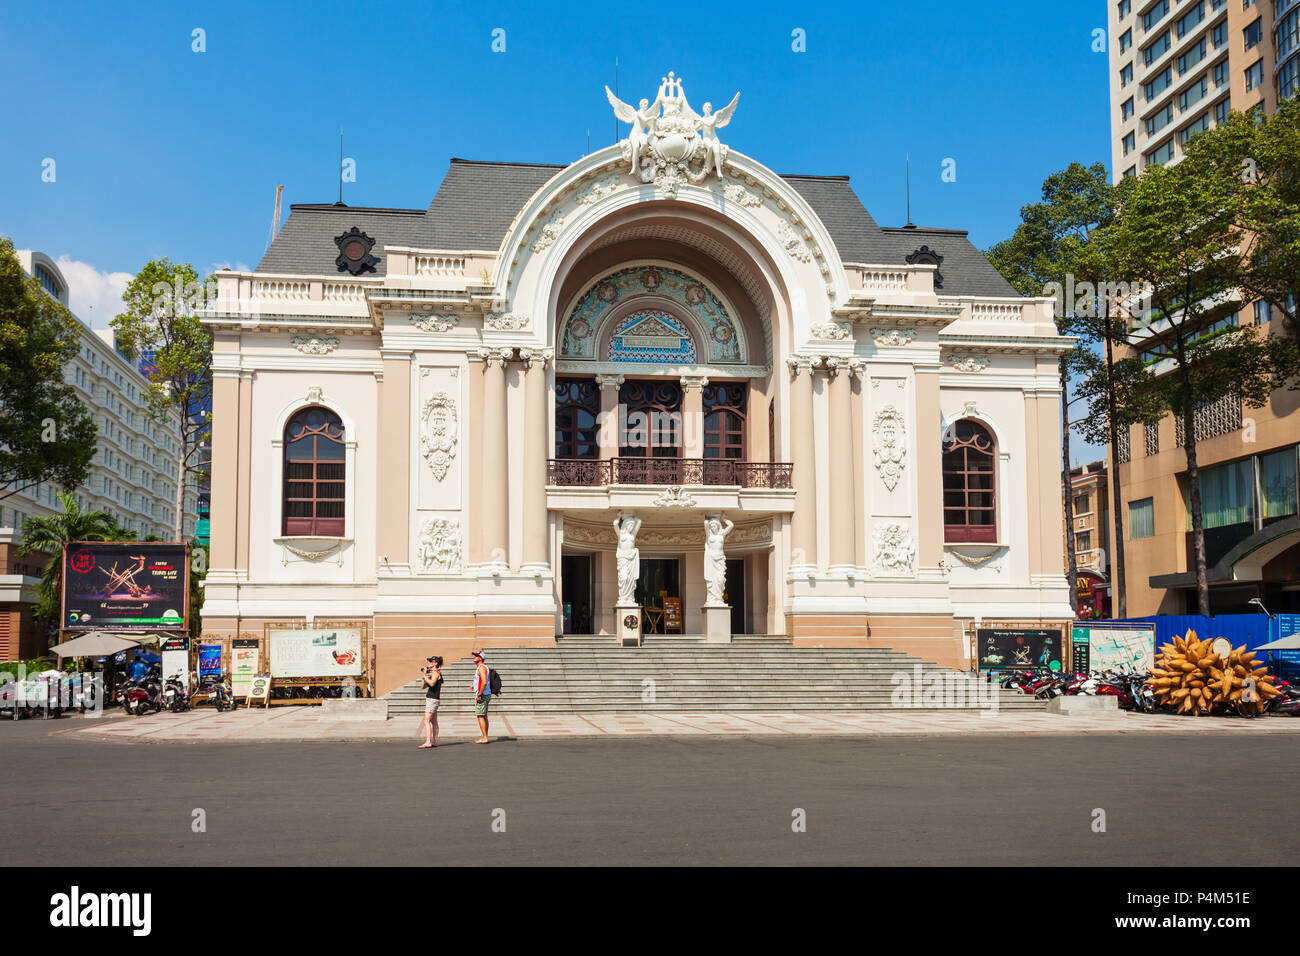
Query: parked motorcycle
(175, 697)
(1287, 701)
(218, 691)
(144, 694)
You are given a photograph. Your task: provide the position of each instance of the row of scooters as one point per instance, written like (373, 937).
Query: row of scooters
(1133, 688)
(151, 692)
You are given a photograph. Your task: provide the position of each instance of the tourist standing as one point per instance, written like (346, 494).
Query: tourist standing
(432, 681)
(482, 695)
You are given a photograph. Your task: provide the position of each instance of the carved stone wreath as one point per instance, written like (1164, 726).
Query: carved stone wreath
(889, 445)
(441, 429)
(968, 363)
(829, 330)
(973, 560)
(506, 321)
(673, 497)
(792, 242)
(550, 231)
(734, 192)
(895, 550)
(598, 190)
(437, 322)
(895, 336)
(315, 345)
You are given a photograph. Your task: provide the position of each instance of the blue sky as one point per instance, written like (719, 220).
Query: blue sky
(160, 150)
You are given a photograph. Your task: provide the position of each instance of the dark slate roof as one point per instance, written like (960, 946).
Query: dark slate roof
(478, 201)
(965, 270)
(856, 234)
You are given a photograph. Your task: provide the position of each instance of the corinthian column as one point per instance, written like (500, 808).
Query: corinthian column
(493, 479)
(803, 528)
(843, 448)
(536, 442)
(608, 434)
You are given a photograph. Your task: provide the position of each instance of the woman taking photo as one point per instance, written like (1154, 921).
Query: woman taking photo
(431, 678)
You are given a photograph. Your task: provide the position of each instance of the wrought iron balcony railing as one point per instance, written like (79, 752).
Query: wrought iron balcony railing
(593, 472)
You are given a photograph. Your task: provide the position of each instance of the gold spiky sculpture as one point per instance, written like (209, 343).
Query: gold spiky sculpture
(1192, 678)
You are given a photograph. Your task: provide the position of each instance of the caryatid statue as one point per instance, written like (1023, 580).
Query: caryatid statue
(629, 558)
(716, 530)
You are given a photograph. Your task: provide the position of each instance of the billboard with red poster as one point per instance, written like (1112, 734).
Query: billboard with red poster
(125, 586)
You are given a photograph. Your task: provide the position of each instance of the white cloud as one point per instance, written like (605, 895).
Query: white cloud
(93, 296)
(237, 267)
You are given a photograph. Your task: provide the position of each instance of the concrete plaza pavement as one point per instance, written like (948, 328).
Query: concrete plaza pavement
(311, 723)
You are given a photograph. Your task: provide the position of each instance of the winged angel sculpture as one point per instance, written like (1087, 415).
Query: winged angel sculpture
(670, 143)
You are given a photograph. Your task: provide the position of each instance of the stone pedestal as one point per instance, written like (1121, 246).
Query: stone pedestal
(1086, 705)
(717, 623)
(627, 624)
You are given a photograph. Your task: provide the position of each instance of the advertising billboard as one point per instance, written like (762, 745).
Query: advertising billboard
(125, 585)
(1006, 648)
(319, 652)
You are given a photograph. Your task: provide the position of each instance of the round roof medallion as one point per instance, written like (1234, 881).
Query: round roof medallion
(354, 252)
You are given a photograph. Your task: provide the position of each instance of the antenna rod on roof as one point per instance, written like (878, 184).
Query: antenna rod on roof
(616, 94)
(340, 169)
(275, 216)
(909, 187)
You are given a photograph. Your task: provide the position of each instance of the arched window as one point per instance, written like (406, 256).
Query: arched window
(315, 479)
(969, 459)
(724, 420)
(652, 426)
(577, 405)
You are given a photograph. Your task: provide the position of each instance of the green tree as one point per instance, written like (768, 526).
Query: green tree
(48, 534)
(46, 434)
(161, 321)
(1261, 153)
(1053, 252)
(1177, 235)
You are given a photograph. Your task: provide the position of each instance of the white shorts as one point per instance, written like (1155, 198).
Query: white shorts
(431, 705)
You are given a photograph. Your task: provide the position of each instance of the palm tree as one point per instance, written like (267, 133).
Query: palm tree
(49, 534)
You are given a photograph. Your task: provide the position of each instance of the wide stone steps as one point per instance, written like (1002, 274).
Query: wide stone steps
(674, 673)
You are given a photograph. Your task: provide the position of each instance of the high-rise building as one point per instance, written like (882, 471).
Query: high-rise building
(1178, 66)
(132, 476)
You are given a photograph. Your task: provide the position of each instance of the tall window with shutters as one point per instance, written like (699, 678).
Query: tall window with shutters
(969, 494)
(315, 473)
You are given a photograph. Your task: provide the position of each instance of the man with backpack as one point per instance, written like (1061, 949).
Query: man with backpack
(482, 695)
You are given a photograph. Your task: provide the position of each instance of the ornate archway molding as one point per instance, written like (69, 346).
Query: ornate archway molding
(719, 335)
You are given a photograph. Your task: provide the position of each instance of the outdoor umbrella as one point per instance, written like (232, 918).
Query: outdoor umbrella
(93, 644)
(1288, 643)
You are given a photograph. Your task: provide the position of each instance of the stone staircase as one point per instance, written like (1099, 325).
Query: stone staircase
(591, 674)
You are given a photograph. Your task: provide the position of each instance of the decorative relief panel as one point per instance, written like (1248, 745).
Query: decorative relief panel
(895, 551)
(889, 445)
(651, 335)
(440, 545)
(830, 330)
(315, 345)
(440, 433)
(755, 533)
(894, 336)
(792, 242)
(436, 322)
(550, 231)
(968, 363)
(505, 321)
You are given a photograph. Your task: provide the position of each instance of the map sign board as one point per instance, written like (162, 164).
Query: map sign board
(1118, 648)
